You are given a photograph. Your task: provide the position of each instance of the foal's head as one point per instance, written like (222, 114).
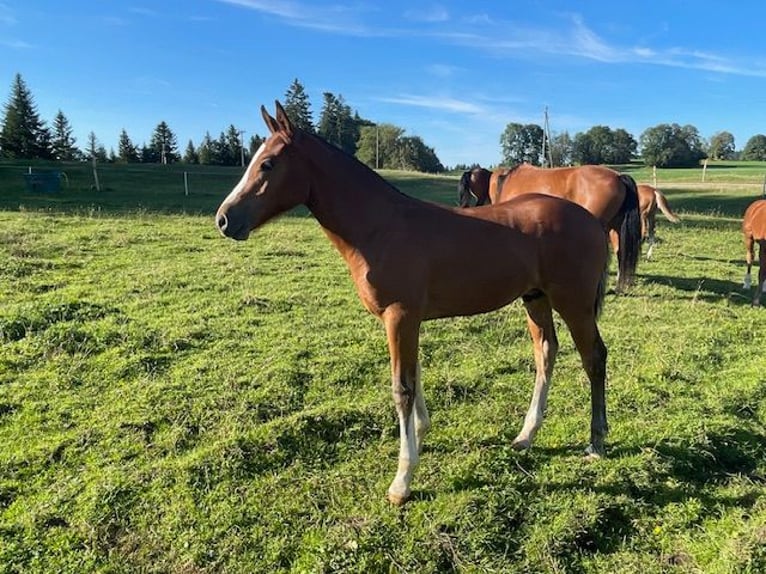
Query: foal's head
(276, 180)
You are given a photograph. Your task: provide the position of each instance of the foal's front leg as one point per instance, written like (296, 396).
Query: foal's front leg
(403, 335)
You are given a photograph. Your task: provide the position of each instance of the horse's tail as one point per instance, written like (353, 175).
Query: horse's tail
(662, 203)
(630, 234)
(464, 189)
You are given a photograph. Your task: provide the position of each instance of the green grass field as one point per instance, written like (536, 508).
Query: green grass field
(171, 401)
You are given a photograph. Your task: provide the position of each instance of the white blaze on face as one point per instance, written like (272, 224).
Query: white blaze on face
(241, 185)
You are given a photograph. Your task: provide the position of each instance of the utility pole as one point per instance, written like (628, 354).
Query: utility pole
(242, 147)
(377, 147)
(547, 158)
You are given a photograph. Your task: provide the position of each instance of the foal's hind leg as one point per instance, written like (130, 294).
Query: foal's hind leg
(749, 256)
(651, 223)
(542, 329)
(593, 352)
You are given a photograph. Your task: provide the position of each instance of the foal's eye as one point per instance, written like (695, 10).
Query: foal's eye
(267, 165)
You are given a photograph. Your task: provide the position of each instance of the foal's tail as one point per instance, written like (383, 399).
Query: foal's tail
(464, 189)
(630, 234)
(662, 203)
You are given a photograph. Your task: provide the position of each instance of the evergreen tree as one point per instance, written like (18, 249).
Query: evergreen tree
(336, 124)
(23, 134)
(255, 142)
(163, 144)
(94, 149)
(63, 141)
(298, 107)
(232, 144)
(126, 151)
(190, 155)
(206, 152)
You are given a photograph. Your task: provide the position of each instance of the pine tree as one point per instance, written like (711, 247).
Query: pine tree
(164, 144)
(206, 151)
(190, 155)
(23, 133)
(126, 151)
(336, 123)
(63, 141)
(94, 150)
(298, 107)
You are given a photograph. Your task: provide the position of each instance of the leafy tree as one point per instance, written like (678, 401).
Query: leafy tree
(602, 145)
(190, 155)
(414, 155)
(521, 143)
(624, 147)
(298, 107)
(336, 123)
(755, 148)
(126, 151)
(62, 142)
(378, 146)
(721, 146)
(562, 148)
(670, 145)
(163, 145)
(23, 133)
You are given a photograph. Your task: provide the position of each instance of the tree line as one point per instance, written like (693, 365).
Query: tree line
(24, 135)
(663, 145)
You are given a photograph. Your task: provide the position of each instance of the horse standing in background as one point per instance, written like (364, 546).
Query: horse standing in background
(649, 199)
(610, 196)
(754, 231)
(412, 261)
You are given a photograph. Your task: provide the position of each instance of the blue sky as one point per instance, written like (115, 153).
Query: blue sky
(454, 73)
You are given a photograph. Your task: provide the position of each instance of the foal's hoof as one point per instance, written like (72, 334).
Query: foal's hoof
(398, 499)
(592, 454)
(521, 444)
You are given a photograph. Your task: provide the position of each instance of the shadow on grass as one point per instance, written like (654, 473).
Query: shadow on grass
(703, 288)
(728, 205)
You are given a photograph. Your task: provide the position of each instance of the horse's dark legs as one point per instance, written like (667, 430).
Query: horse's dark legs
(749, 256)
(543, 332)
(593, 354)
(402, 331)
(761, 287)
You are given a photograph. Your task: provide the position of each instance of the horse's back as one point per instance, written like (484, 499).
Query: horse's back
(596, 188)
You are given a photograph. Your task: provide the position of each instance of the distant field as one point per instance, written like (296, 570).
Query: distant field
(171, 401)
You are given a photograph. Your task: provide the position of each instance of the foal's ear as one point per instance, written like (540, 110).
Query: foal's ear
(282, 119)
(271, 123)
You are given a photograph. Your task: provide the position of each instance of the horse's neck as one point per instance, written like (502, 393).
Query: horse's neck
(348, 199)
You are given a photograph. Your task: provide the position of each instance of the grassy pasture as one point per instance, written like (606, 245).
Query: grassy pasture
(174, 402)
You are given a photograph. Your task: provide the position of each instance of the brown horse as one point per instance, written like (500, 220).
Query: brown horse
(649, 199)
(754, 231)
(412, 261)
(610, 196)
